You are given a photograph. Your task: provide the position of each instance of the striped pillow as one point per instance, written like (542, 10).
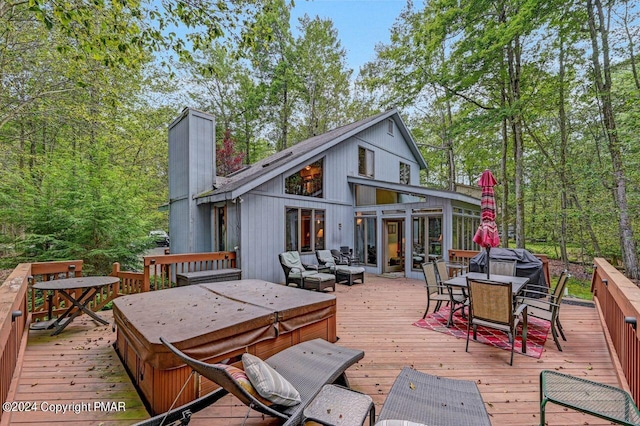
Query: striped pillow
(240, 377)
(269, 383)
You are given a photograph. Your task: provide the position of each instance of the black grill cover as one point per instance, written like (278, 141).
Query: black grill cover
(527, 264)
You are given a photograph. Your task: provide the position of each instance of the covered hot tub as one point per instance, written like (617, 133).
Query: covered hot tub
(215, 322)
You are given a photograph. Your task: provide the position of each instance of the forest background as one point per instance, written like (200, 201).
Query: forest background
(544, 93)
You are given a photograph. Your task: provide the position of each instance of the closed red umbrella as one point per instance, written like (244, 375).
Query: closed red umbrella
(487, 234)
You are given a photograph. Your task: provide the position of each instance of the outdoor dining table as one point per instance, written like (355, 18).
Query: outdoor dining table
(89, 285)
(460, 281)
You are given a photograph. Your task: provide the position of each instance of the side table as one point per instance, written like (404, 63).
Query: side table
(338, 406)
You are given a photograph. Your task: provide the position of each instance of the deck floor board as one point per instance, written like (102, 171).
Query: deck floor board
(80, 364)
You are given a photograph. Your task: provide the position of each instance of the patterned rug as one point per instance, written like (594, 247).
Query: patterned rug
(536, 333)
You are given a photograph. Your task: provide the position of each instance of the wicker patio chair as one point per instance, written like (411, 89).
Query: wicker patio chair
(491, 305)
(339, 258)
(308, 366)
(342, 272)
(432, 400)
(548, 307)
(294, 270)
(503, 267)
(439, 293)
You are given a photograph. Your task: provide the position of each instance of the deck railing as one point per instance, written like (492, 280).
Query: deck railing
(618, 301)
(464, 256)
(13, 320)
(20, 303)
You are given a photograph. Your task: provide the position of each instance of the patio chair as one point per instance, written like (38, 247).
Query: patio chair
(342, 272)
(339, 258)
(503, 267)
(438, 293)
(348, 254)
(547, 308)
(431, 400)
(294, 270)
(491, 305)
(443, 275)
(308, 366)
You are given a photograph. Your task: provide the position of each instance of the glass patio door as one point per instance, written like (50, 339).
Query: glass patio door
(393, 245)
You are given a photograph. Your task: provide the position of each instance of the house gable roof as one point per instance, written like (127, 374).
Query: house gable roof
(252, 176)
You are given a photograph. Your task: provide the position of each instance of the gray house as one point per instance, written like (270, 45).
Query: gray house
(355, 186)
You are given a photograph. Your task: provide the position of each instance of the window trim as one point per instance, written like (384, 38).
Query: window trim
(390, 127)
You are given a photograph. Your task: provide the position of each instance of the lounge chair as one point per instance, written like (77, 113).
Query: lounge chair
(308, 366)
(431, 400)
(342, 272)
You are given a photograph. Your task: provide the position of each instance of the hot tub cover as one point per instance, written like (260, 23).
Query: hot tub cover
(206, 320)
(294, 308)
(199, 322)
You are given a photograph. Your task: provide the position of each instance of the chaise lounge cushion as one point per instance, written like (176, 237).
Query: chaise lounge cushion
(269, 383)
(393, 422)
(243, 381)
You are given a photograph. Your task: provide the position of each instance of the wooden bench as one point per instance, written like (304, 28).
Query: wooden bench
(597, 399)
(208, 276)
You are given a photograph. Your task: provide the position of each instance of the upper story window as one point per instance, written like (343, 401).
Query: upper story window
(405, 173)
(365, 162)
(306, 181)
(390, 127)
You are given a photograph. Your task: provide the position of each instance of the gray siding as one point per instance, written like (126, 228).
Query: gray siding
(263, 209)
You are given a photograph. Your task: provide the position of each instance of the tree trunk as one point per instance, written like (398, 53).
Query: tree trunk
(505, 181)
(599, 32)
(513, 64)
(562, 117)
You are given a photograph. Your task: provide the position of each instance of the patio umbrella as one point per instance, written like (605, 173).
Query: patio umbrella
(487, 233)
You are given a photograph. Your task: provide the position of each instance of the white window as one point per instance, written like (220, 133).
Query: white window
(390, 127)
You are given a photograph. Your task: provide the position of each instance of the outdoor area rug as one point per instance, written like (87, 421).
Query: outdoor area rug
(536, 333)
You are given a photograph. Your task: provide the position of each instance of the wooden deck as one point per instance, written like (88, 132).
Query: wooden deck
(81, 366)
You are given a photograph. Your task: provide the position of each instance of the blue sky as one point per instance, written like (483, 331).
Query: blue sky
(361, 24)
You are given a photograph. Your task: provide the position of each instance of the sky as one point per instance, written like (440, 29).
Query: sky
(361, 24)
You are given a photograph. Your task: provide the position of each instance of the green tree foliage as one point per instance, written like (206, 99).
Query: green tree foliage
(511, 86)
